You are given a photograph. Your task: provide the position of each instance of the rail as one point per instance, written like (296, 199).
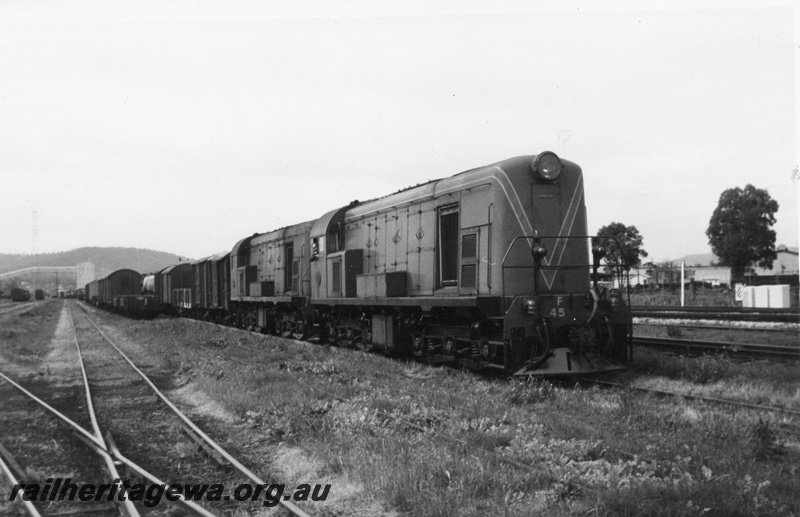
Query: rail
(294, 509)
(96, 443)
(718, 313)
(128, 509)
(28, 505)
(690, 396)
(744, 349)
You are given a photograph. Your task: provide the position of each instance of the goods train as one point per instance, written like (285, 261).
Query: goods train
(489, 269)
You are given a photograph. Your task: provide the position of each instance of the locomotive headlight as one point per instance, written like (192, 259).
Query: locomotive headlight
(598, 252)
(530, 306)
(547, 166)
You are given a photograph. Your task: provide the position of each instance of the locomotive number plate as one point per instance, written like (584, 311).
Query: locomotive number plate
(554, 307)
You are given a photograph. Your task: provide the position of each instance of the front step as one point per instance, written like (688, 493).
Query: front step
(563, 362)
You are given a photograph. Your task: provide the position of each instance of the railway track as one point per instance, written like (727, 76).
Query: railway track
(195, 431)
(697, 326)
(17, 307)
(94, 441)
(714, 400)
(104, 376)
(61, 449)
(717, 313)
(742, 349)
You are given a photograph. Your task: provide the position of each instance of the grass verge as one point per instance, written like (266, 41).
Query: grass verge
(593, 451)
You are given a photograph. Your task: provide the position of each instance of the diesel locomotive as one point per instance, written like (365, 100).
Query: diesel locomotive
(492, 268)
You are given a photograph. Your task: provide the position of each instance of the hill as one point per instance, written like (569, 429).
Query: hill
(699, 259)
(105, 260)
(709, 259)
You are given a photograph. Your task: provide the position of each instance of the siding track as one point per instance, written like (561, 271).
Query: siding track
(97, 371)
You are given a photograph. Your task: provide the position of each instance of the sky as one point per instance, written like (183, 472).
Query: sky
(184, 126)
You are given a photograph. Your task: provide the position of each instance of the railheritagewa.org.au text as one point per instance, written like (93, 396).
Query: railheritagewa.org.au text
(150, 495)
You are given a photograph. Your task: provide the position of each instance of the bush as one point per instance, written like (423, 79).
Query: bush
(705, 369)
(529, 391)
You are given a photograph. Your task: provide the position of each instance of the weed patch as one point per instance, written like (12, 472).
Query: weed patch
(764, 441)
(529, 391)
(705, 369)
(25, 336)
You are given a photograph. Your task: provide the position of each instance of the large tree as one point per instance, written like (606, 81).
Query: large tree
(740, 231)
(629, 252)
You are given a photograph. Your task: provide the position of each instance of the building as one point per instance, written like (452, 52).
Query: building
(786, 264)
(714, 276)
(639, 277)
(85, 274)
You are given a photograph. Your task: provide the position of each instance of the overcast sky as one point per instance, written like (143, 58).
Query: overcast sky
(183, 126)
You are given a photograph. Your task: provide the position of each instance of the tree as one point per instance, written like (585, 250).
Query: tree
(666, 273)
(740, 231)
(628, 237)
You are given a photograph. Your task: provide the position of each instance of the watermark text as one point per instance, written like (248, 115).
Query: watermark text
(151, 495)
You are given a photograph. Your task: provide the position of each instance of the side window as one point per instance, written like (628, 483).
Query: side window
(448, 245)
(334, 240)
(314, 249)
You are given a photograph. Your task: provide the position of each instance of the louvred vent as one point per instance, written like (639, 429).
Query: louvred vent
(468, 275)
